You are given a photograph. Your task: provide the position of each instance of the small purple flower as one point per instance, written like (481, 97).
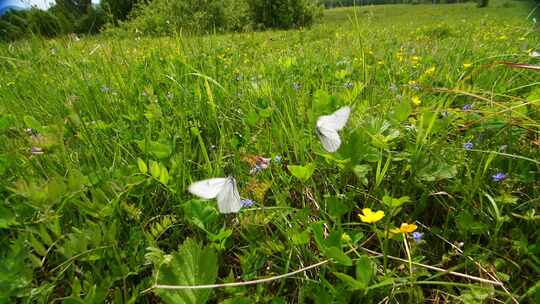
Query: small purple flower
(348, 85)
(296, 86)
(466, 107)
(468, 145)
(277, 159)
(417, 236)
(36, 150)
(256, 169)
(499, 177)
(246, 203)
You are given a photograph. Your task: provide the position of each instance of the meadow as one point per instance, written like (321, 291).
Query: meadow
(102, 136)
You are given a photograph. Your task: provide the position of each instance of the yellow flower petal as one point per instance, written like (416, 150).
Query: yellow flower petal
(407, 228)
(369, 216)
(416, 100)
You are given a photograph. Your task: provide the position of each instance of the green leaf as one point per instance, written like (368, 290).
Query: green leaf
(351, 283)
(337, 254)
(164, 174)
(155, 169)
(395, 202)
(303, 173)
(191, 265)
(364, 270)
(7, 218)
(143, 168)
(401, 111)
(155, 148)
(361, 172)
(31, 122)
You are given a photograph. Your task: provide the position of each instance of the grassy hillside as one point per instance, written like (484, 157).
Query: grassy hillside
(102, 136)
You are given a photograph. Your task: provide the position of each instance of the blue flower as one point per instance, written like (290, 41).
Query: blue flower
(277, 159)
(348, 85)
(467, 107)
(417, 236)
(246, 203)
(499, 176)
(468, 145)
(296, 86)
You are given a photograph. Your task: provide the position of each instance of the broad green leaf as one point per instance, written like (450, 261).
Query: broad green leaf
(143, 168)
(191, 265)
(364, 270)
(361, 172)
(401, 111)
(351, 283)
(337, 254)
(395, 202)
(155, 169)
(164, 174)
(303, 173)
(157, 149)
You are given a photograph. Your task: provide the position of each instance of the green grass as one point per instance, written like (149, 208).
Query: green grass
(85, 222)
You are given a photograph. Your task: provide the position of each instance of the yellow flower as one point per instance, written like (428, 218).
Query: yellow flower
(405, 228)
(416, 100)
(370, 216)
(430, 71)
(467, 65)
(346, 238)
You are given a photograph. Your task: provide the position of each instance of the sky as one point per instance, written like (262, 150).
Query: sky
(43, 4)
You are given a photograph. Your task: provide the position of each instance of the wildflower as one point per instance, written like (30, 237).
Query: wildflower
(499, 176)
(256, 169)
(346, 238)
(371, 217)
(246, 203)
(348, 85)
(467, 65)
(416, 100)
(277, 159)
(468, 145)
(393, 88)
(404, 228)
(296, 86)
(170, 95)
(466, 107)
(417, 236)
(430, 71)
(36, 150)
(104, 89)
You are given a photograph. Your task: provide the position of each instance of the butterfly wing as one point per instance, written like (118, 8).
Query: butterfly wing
(329, 139)
(208, 188)
(229, 199)
(328, 127)
(335, 121)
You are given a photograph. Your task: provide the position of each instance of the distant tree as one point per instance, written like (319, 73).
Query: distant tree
(482, 3)
(119, 9)
(75, 7)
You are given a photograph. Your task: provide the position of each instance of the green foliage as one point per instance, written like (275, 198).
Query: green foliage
(192, 264)
(283, 13)
(165, 17)
(102, 137)
(119, 9)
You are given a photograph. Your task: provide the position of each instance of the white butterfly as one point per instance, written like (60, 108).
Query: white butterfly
(224, 189)
(328, 127)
